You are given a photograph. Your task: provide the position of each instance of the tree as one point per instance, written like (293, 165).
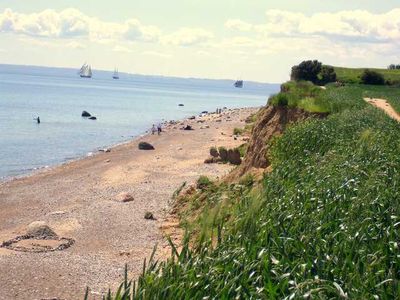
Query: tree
(307, 70)
(327, 75)
(372, 77)
(392, 67)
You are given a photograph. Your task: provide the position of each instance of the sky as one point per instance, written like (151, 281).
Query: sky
(255, 40)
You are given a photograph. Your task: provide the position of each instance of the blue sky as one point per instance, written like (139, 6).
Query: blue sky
(252, 39)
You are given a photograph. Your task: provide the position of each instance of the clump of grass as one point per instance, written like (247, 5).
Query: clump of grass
(238, 131)
(247, 180)
(243, 149)
(203, 182)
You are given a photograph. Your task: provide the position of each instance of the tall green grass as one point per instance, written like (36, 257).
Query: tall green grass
(325, 224)
(353, 75)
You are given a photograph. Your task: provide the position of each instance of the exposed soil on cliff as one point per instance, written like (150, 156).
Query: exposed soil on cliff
(271, 122)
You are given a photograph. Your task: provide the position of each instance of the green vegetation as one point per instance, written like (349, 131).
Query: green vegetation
(238, 131)
(323, 224)
(203, 182)
(300, 94)
(313, 71)
(351, 75)
(243, 149)
(372, 77)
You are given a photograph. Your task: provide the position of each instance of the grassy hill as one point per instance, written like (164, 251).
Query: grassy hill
(352, 75)
(324, 223)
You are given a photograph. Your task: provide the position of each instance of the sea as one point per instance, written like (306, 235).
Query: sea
(124, 108)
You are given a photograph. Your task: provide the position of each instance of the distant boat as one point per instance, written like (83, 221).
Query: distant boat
(238, 84)
(116, 75)
(85, 71)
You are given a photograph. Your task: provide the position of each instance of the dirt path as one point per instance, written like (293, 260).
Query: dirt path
(385, 106)
(77, 200)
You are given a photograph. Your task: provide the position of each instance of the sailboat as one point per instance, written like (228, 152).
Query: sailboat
(238, 84)
(115, 76)
(85, 71)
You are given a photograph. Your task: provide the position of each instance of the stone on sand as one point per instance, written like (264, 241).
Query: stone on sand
(145, 146)
(149, 216)
(124, 197)
(234, 157)
(214, 152)
(39, 229)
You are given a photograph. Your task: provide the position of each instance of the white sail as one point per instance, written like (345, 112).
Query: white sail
(85, 71)
(116, 75)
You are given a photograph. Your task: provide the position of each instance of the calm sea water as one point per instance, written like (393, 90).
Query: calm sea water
(124, 108)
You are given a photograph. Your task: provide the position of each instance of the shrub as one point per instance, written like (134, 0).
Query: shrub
(243, 149)
(203, 182)
(307, 71)
(280, 99)
(223, 154)
(238, 131)
(247, 180)
(372, 77)
(327, 75)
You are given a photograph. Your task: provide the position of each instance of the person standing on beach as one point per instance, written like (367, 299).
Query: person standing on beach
(153, 129)
(159, 129)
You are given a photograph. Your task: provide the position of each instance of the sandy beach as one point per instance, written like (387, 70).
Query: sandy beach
(78, 201)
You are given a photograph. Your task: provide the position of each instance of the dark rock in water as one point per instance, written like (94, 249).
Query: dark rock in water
(188, 127)
(223, 153)
(85, 114)
(204, 112)
(181, 104)
(92, 118)
(149, 216)
(192, 118)
(145, 146)
(234, 157)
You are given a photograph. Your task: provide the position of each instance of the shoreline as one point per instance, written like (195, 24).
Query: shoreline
(97, 151)
(77, 200)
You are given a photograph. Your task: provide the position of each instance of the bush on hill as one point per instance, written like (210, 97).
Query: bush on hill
(372, 77)
(307, 71)
(314, 71)
(327, 75)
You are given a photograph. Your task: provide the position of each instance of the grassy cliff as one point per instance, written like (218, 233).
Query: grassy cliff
(324, 222)
(353, 75)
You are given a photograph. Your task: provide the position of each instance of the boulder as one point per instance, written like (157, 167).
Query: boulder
(192, 118)
(214, 152)
(149, 216)
(40, 229)
(181, 104)
(92, 118)
(223, 153)
(145, 146)
(234, 157)
(86, 114)
(204, 112)
(212, 160)
(124, 197)
(188, 127)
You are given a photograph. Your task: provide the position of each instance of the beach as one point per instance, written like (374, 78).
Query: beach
(79, 200)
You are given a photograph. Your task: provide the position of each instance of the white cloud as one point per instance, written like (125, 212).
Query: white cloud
(236, 24)
(347, 26)
(188, 37)
(72, 23)
(136, 31)
(121, 49)
(157, 54)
